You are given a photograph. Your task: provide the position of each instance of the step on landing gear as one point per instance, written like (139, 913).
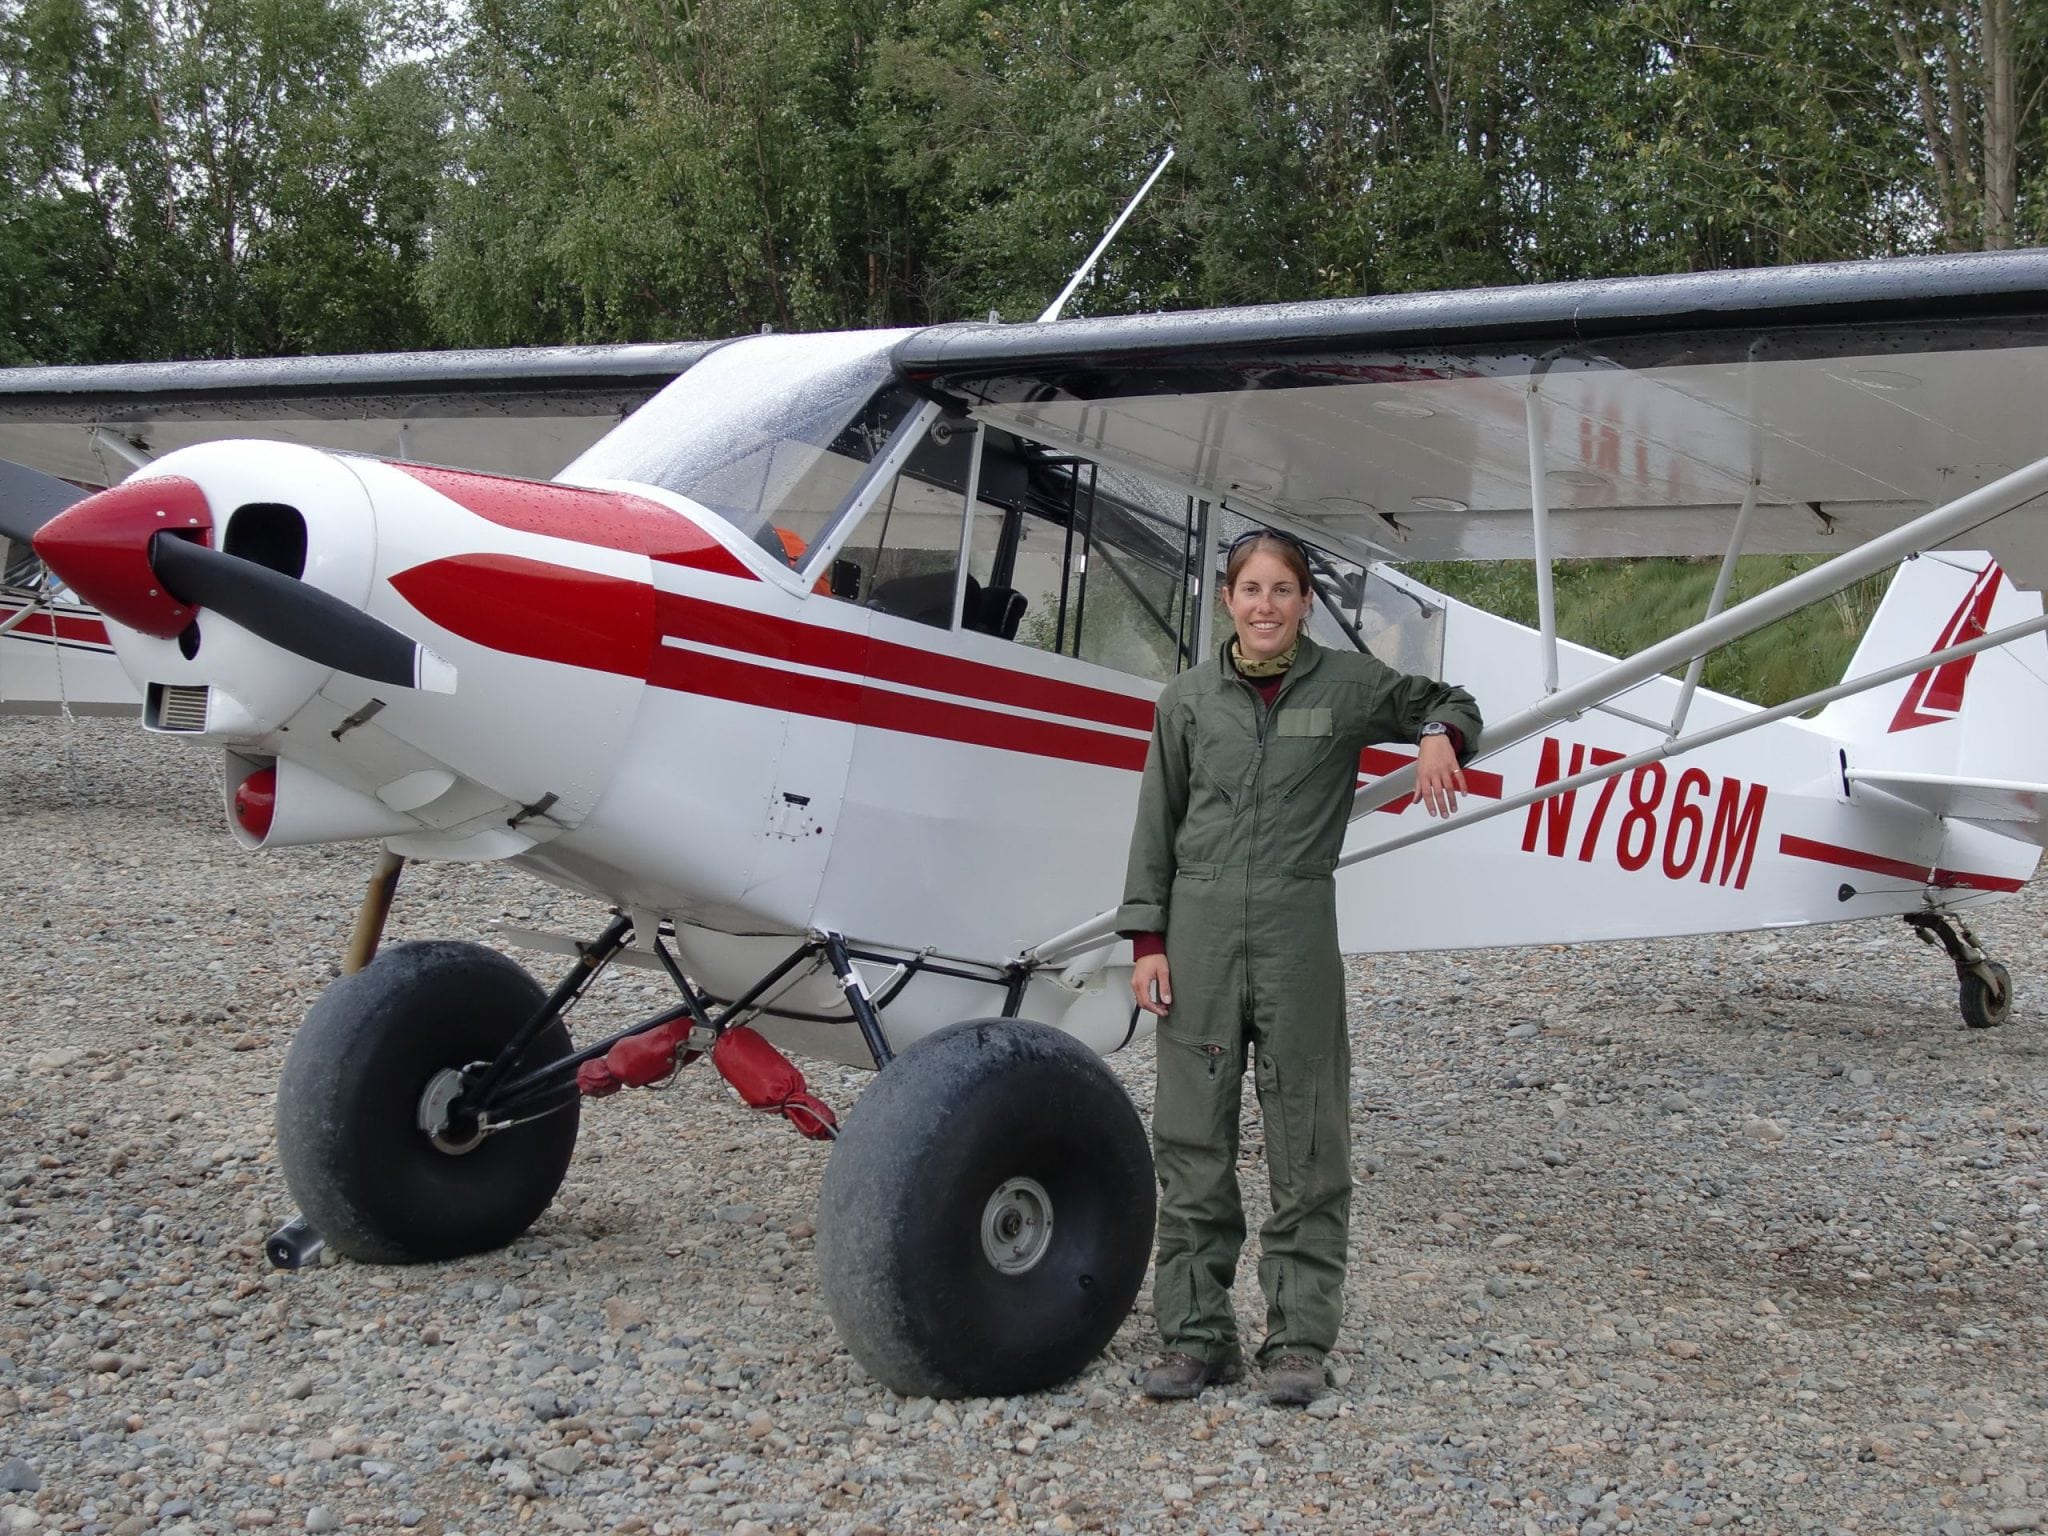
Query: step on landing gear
(1984, 987)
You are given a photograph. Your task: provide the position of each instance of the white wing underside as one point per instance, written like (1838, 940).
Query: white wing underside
(1637, 461)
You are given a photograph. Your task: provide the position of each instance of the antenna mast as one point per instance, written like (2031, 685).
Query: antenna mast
(1052, 311)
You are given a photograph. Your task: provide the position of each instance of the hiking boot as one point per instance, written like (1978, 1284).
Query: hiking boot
(1180, 1374)
(1295, 1380)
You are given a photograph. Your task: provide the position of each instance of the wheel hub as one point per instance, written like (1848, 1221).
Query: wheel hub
(1016, 1226)
(443, 1089)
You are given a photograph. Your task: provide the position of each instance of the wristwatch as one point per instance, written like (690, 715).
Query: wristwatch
(1434, 728)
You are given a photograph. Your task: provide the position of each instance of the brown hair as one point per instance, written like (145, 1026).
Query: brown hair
(1267, 542)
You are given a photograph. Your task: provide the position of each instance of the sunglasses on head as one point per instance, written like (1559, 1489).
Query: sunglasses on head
(1251, 535)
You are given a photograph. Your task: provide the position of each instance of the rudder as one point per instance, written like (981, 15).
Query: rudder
(1984, 716)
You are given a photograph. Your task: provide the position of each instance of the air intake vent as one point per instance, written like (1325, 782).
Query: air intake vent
(175, 708)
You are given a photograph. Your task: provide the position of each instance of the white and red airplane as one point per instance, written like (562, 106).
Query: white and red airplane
(54, 651)
(831, 666)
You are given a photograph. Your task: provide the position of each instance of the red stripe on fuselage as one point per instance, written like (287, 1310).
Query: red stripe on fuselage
(816, 645)
(1901, 869)
(530, 608)
(579, 618)
(858, 703)
(1378, 762)
(74, 629)
(609, 519)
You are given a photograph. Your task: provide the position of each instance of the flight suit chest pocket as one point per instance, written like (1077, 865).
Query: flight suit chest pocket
(1299, 739)
(1225, 754)
(1310, 720)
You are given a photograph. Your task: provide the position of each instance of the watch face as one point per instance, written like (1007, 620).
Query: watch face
(1436, 728)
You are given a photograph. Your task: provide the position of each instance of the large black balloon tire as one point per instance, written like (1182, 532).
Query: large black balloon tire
(921, 1166)
(363, 1172)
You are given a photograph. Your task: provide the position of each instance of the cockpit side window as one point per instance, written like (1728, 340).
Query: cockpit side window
(1082, 560)
(903, 558)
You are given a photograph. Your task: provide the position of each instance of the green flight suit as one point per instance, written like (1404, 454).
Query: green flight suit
(1241, 816)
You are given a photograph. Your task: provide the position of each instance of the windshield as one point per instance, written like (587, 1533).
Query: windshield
(768, 431)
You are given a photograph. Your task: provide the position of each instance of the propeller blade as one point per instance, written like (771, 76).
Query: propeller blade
(29, 498)
(296, 616)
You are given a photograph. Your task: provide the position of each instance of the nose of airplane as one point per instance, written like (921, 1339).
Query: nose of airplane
(102, 548)
(142, 553)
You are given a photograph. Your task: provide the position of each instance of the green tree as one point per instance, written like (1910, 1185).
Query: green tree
(637, 168)
(214, 177)
(1971, 78)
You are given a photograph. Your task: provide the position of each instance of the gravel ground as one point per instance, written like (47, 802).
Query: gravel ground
(1726, 1233)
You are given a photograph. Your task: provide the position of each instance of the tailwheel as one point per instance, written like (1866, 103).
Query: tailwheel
(1983, 986)
(1986, 994)
(370, 1149)
(987, 1213)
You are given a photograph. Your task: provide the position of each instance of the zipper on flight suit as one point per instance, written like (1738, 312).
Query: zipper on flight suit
(1262, 712)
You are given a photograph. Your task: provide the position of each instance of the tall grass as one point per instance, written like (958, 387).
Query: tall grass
(1620, 606)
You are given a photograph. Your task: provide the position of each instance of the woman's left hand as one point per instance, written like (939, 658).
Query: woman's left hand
(1438, 778)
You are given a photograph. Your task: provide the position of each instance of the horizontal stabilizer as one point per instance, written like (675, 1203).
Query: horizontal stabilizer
(1998, 805)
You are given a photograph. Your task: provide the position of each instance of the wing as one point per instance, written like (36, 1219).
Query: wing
(519, 411)
(1853, 396)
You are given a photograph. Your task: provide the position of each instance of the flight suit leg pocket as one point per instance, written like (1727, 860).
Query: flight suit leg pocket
(1196, 1100)
(1302, 1102)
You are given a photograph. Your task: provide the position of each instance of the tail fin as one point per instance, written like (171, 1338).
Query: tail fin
(1981, 717)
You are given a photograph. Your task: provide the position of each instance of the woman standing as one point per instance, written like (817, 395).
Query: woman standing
(1231, 905)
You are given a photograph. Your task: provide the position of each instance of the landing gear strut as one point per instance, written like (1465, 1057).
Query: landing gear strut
(1984, 987)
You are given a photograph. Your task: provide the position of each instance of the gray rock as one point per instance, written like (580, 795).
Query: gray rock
(563, 1460)
(516, 1477)
(17, 1476)
(547, 1407)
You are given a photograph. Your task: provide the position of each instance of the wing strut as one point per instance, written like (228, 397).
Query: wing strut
(1737, 537)
(126, 450)
(1930, 530)
(1715, 602)
(1539, 527)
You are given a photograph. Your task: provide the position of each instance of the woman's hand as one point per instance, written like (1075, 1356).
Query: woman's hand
(1438, 778)
(1148, 974)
